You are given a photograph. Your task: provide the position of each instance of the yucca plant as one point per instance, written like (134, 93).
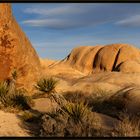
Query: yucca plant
(14, 98)
(20, 100)
(46, 85)
(3, 93)
(76, 111)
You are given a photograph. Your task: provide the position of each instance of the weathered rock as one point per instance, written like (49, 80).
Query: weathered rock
(16, 51)
(129, 66)
(89, 59)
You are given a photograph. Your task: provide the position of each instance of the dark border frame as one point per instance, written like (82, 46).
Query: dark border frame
(69, 1)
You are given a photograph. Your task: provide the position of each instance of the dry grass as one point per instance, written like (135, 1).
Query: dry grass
(73, 120)
(12, 98)
(28, 116)
(74, 116)
(70, 119)
(76, 96)
(128, 127)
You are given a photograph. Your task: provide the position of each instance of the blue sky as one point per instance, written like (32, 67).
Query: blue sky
(55, 28)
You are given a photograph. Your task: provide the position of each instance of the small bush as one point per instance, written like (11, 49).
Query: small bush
(20, 100)
(28, 116)
(10, 97)
(3, 93)
(76, 112)
(128, 127)
(76, 97)
(72, 120)
(46, 85)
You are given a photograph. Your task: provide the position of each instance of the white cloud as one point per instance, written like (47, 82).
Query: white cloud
(82, 15)
(61, 10)
(54, 23)
(131, 21)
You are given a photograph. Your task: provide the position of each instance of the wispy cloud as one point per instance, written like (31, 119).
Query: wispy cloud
(133, 21)
(80, 15)
(54, 23)
(68, 16)
(61, 10)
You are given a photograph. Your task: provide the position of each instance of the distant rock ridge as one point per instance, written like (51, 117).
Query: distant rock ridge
(16, 51)
(113, 57)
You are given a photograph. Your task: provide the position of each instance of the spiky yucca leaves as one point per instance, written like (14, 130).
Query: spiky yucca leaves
(46, 85)
(76, 120)
(10, 97)
(20, 100)
(3, 93)
(76, 111)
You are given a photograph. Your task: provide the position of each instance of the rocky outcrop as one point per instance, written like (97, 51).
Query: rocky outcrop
(16, 51)
(114, 57)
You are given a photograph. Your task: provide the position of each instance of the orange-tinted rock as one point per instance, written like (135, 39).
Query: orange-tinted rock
(129, 66)
(16, 51)
(104, 58)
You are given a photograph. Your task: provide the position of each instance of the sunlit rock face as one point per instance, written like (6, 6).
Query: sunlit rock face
(113, 57)
(16, 51)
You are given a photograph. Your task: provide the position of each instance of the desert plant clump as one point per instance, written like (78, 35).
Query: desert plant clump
(76, 96)
(17, 99)
(3, 93)
(76, 111)
(69, 118)
(73, 120)
(12, 97)
(46, 85)
(20, 100)
(28, 116)
(128, 127)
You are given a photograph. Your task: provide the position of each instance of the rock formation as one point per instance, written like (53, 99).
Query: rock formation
(16, 51)
(114, 57)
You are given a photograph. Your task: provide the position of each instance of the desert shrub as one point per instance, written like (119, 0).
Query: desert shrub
(11, 97)
(76, 96)
(20, 100)
(128, 127)
(46, 85)
(75, 111)
(98, 96)
(28, 116)
(3, 93)
(94, 99)
(72, 120)
(101, 101)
